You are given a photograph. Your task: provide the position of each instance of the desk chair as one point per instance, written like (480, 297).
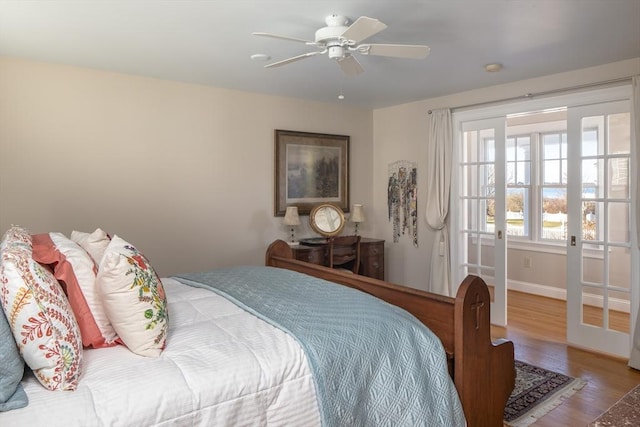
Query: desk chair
(344, 253)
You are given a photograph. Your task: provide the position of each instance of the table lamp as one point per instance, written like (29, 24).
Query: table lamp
(291, 219)
(357, 216)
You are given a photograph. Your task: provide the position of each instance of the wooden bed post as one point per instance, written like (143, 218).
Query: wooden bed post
(278, 248)
(479, 364)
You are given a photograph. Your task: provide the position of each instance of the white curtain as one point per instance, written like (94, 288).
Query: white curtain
(440, 145)
(634, 358)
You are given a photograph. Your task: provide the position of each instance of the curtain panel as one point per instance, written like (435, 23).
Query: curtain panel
(440, 144)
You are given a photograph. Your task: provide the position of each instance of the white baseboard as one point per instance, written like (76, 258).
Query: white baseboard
(561, 294)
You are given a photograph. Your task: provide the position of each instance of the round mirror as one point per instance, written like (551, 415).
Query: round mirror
(326, 220)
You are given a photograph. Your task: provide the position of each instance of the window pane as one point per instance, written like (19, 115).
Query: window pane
(517, 211)
(511, 173)
(554, 213)
(524, 173)
(524, 148)
(551, 146)
(510, 149)
(551, 172)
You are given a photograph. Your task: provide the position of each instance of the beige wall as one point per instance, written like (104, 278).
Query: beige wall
(400, 133)
(184, 172)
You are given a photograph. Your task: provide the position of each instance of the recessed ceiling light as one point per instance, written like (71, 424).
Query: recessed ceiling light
(260, 57)
(493, 68)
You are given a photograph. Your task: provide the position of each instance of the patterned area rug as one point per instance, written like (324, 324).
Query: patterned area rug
(625, 412)
(537, 392)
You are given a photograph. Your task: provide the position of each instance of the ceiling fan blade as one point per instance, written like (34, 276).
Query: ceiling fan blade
(363, 28)
(292, 39)
(350, 66)
(293, 59)
(410, 51)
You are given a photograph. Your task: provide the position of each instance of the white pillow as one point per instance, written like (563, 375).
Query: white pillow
(133, 298)
(39, 314)
(94, 243)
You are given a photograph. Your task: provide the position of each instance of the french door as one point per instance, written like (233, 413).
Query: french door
(481, 241)
(599, 250)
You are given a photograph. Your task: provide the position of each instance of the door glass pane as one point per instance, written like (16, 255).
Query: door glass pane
(619, 178)
(488, 179)
(592, 313)
(486, 254)
(589, 224)
(487, 218)
(592, 267)
(618, 222)
(619, 267)
(470, 153)
(619, 306)
(592, 132)
(487, 147)
(590, 143)
(472, 181)
(619, 140)
(592, 175)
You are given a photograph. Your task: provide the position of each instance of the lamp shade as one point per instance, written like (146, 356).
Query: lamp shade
(357, 214)
(291, 216)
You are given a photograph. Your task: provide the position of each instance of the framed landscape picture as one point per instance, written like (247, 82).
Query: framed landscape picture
(310, 168)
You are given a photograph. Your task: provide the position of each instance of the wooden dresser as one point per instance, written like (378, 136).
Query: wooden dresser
(371, 256)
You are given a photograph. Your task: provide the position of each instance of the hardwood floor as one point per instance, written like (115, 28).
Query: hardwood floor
(537, 327)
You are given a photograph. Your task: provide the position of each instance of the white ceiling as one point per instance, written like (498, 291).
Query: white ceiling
(210, 42)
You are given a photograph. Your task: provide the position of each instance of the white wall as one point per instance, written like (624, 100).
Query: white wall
(184, 172)
(400, 133)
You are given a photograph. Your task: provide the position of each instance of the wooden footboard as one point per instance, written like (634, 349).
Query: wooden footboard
(483, 371)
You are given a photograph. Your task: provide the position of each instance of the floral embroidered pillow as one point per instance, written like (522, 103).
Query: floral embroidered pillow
(134, 298)
(39, 314)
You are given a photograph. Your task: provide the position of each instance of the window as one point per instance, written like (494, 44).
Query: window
(536, 177)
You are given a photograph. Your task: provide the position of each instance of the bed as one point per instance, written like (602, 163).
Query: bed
(280, 345)
(483, 370)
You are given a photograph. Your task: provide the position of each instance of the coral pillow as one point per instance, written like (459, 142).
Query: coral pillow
(76, 271)
(39, 315)
(94, 243)
(133, 298)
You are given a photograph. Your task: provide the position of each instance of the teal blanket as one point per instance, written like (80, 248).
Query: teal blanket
(373, 363)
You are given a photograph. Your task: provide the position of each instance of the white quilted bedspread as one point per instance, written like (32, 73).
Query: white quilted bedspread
(209, 375)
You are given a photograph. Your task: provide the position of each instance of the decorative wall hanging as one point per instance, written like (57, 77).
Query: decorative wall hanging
(402, 199)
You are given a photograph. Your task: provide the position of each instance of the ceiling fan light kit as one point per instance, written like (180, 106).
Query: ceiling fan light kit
(341, 41)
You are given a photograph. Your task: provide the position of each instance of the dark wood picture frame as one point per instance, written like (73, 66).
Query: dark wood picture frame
(310, 168)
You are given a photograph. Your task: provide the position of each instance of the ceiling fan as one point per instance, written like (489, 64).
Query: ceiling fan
(340, 42)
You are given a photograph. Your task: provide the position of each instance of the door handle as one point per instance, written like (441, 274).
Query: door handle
(573, 240)
(499, 234)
